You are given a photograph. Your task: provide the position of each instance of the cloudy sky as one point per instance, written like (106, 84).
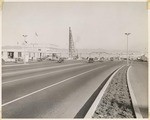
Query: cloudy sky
(94, 24)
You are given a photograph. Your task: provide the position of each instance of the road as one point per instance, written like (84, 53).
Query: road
(51, 90)
(138, 76)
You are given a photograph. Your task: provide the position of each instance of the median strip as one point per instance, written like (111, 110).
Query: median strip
(115, 99)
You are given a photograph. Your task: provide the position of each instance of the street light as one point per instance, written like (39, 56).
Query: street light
(75, 44)
(127, 34)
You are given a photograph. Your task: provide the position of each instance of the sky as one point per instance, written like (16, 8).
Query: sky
(94, 25)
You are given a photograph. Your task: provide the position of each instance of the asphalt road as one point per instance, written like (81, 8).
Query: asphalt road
(51, 90)
(138, 76)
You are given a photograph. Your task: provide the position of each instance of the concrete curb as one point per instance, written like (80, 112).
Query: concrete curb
(133, 98)
(99, 97)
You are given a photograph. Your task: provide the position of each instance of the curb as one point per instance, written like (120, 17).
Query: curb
(100, 95)
(133, 98)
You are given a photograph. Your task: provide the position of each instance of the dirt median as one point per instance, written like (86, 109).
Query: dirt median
(116, 101)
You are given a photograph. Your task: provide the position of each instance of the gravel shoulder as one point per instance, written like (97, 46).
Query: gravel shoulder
(116, 101)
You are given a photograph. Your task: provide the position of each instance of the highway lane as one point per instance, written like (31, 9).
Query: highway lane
(138, 76)
(15, 86)
(61, 94)
(28, 73)
(20, 67)
(24, 86)
(10, 76)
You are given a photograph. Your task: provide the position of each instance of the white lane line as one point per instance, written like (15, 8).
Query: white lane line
(43, 74)
(37, 69)
(100, 95)
(134, 101)
(7, 103)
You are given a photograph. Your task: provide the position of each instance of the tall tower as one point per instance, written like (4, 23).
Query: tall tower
(71, 45)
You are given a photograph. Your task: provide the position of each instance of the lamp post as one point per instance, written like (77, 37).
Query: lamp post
(75, 44)
(33, 50)
(127, 34)
(24, 43)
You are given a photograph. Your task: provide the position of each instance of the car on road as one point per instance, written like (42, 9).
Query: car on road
(111, 59)
(60, 60)
(101, 59)
(90, 60)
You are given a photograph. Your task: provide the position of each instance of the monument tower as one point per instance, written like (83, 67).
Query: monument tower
(71, 45)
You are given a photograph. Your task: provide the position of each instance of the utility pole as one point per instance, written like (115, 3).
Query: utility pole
(24, 44)
(127, 34)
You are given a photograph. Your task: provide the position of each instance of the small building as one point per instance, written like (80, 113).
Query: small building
(30, 53)
(9, 53)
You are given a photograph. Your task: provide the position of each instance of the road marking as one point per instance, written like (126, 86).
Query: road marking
(134, 101)
(42, 74)
(7, 103)
(38, 69)
(100, 95)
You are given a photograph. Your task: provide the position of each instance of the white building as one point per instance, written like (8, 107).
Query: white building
(31, 52)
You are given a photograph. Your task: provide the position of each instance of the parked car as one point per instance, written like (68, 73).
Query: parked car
(90, 60)
(111, 59)
(17, 60)
(48, 58)
(39, 59)
(60, 60)
(101, 59)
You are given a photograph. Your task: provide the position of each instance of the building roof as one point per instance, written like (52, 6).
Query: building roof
(11, 47)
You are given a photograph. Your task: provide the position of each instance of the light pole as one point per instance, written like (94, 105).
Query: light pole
(75, 44)
(127, 34)
(24, 43)
(33, 50)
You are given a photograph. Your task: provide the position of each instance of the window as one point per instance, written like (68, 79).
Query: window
(11, 55)
(19, 54)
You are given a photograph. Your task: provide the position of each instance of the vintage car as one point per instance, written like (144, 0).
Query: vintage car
(60, 60)
(90, 60)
